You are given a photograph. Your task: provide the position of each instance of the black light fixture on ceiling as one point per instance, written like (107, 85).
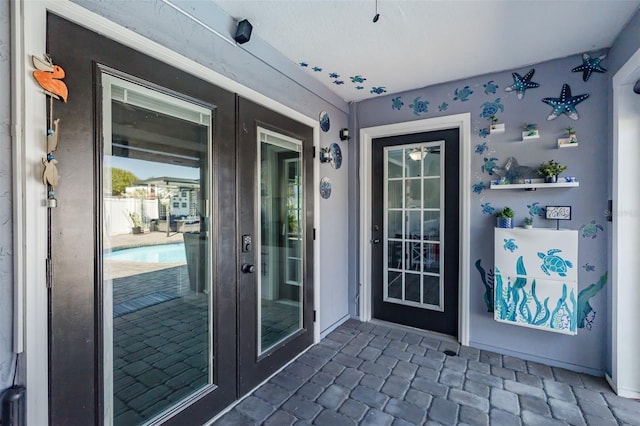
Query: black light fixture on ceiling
(377, 15)
(243, 32)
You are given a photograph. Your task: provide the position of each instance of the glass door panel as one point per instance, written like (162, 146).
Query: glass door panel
(156, 252)
(279, 271)
(413, 217)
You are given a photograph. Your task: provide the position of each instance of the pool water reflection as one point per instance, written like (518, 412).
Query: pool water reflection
(162, 253)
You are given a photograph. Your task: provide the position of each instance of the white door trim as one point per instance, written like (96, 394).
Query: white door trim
(625, 236)
(461, 121)
(28, 33)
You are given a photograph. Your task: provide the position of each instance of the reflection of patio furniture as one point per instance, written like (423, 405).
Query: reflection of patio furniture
(162, 225)
(195, 246)
(187, 225)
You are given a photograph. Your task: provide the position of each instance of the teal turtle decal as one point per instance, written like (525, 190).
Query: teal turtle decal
(488, 165)
(481, 148)
(590, 230)
(535, 209)
(510, 244)
(443, 106)
(487, 209)
(419, 106)
(551, 262)
(397, 103)
(463, 94)
(357, 79)
(478, 187)
(490, 87)
(491, 108)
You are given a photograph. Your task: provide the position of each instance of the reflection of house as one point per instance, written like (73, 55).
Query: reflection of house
(183, 195)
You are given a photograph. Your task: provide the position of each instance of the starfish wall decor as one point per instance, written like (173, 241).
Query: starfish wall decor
(521, 84)
(565, 104)
(590, 65)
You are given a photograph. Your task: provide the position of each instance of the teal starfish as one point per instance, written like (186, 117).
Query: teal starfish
(521, 84)
(590, 65)
(565, 104)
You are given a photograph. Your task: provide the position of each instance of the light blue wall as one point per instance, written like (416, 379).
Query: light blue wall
(6, 217)
(587, 162)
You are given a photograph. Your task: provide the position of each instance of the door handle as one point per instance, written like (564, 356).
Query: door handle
(248, 268)
(375, 241)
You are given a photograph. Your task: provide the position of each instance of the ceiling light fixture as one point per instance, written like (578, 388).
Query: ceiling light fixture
(418, 154)
(377, 15)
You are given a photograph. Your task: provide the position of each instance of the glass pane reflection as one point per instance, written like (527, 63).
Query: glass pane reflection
(279, 272)
(413, 225)
(157, 324)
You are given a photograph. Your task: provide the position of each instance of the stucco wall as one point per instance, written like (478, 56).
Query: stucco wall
(587, 162)
(6, 221)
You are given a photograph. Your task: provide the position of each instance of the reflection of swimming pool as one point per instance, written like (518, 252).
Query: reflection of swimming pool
(161, 253)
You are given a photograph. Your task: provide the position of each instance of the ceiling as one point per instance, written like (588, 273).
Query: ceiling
(421, 43)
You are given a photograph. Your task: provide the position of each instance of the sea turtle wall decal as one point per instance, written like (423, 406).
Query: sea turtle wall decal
(554, 263)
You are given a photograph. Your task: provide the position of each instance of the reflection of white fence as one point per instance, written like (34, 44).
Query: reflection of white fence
(116, 213)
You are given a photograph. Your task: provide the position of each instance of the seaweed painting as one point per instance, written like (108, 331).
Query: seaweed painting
(487, 280)
(586, 313)
(519, 302)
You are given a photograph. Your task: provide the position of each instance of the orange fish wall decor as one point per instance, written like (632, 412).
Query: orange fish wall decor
(49, 77)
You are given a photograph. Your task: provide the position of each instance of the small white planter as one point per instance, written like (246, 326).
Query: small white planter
(496, 128)
(566, 143)
(526, 136)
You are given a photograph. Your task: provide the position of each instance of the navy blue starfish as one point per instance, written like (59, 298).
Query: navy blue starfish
(590, 65)
(565, 104)
(521, 84)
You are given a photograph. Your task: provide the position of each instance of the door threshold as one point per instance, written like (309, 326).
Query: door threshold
(425, 333)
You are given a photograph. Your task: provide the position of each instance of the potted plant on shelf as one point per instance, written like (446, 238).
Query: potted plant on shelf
(494, 126)
(528, 222)
(505, 218)
(573, 138)
(550, 171)
(530, 131)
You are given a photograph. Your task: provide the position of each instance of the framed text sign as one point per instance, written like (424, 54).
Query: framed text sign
(558, 212)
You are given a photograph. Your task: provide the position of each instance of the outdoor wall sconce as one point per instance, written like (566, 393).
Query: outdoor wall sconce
(344, 134)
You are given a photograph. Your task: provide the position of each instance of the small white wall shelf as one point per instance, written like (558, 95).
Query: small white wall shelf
(526, 137)
(496, 128)
(535, 183)
(564, 143)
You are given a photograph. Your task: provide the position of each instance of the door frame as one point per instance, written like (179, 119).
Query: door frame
(367, 134)
(624, 376)
(28, 109)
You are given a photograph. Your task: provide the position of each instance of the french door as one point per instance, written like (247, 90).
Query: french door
(277, 275)
(168, 283)
(415, 230)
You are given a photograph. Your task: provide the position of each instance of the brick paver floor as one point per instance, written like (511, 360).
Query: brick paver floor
(375, 374)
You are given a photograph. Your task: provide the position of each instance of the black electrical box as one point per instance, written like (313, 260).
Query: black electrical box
(13, 406)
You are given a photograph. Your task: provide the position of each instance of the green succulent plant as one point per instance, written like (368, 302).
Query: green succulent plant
(550, 168)
(506, 213)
